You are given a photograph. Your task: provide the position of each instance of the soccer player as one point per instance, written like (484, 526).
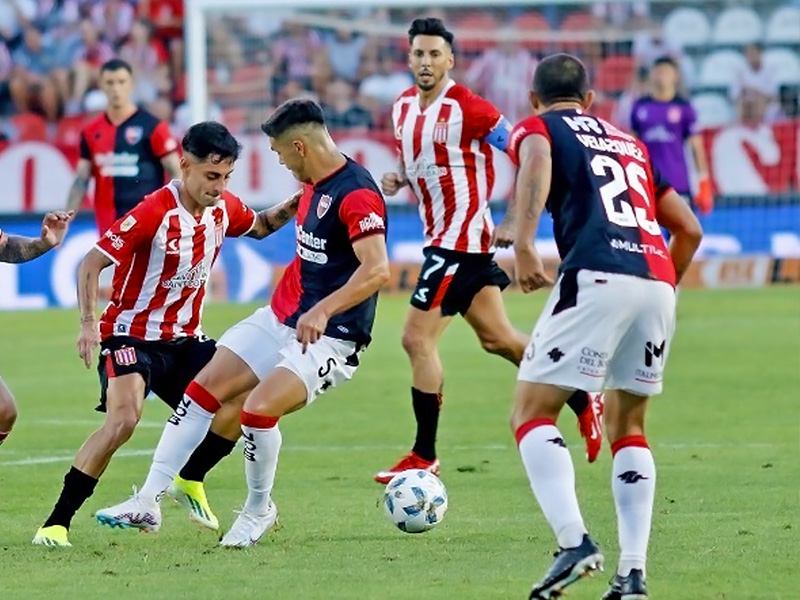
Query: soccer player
(150, 334)
(126, 150)
(307, 341)
(608, 322)
(444, 133)
(20, 249)
(666, 122)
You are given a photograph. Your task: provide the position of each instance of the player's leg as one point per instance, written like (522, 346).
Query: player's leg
(297, 380)
(8, 411)
(124, 398)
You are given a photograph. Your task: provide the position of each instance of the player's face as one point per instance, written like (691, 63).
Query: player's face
(117, 86)
(664, 77)
(291, 154)
(430, 59)
(205, 180)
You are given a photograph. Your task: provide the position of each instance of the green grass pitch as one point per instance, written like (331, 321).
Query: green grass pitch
(725, 437)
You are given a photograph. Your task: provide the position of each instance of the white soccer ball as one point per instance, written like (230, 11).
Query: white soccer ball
(415, 501)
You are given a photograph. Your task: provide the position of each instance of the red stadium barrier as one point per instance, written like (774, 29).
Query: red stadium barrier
(745, 161)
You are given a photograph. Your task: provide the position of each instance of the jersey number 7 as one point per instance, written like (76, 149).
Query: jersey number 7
(629, 179)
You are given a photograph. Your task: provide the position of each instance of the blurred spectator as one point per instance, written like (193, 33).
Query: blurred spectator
(503, 75)
(114, 18)
(161, 108)
(32, 86)
(630, 14)
(344, 49)
(5, 77)
(14, 16)
(294, 53)
(167, 18)
(755, 89)
(94, 51)
(390, 80)
(649, 44)
(148, 58)
(341, 110)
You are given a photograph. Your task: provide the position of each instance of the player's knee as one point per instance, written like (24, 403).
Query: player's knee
(416, 343)
(496, 345)
(121, 425)
(8, 409)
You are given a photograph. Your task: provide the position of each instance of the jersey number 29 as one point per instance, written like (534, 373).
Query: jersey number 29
(629, 179)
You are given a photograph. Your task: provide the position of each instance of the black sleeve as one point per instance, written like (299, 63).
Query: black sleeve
(86, 153)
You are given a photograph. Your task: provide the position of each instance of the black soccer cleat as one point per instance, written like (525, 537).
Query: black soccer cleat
(569, 566)
(630, 587)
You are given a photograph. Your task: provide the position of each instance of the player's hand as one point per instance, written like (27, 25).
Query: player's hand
(88, 340)
(311, 326)
(391, 183)
(704, 200)
(54, 227)
(503, 235)
(530, 269)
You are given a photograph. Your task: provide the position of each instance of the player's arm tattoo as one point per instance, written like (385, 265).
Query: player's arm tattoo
(79, 186)
(271, 219)
(20, 249)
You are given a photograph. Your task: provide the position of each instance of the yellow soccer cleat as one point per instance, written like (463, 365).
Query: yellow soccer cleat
(54, 536)
(192, 496)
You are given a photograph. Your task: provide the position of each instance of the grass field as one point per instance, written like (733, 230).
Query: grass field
(725, 437)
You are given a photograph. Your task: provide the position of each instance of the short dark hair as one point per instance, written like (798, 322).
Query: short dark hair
(430, 26)
(560, 77)
(211, 139)
(666, 60)
(299, 111)
(115, 64)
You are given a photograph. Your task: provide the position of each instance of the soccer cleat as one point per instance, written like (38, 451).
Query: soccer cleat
(249, 527)
(134, 513)
(590, 424)
(54, 536)
(191, 495)
(630, 587)
(569, 566)
(412, 460)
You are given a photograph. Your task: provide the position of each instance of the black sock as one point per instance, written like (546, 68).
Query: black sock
(78, 486)
(205, 457)
(426, 410)
(578, 401)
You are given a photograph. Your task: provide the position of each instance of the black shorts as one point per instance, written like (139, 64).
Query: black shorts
(451, 279)
(166, 367)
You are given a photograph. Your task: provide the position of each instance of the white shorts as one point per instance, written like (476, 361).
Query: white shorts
(265, 343)
(602, 331)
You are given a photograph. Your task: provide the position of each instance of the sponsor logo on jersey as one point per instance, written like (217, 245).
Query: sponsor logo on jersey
(370, 222)
(319, 258)
(659, 133)
(117, 243)
(173, 246)
(424, 169)
(637, 248)
(117, 164)
(323, 205)
(195, 277)
(133, 133)
(440, 132)
(126, 225)
(125, 356)
(309, 239)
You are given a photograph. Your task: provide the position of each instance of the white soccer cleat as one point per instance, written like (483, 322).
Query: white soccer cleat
(134, 513)
(249, 527)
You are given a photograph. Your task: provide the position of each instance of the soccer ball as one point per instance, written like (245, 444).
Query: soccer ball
(415, 501)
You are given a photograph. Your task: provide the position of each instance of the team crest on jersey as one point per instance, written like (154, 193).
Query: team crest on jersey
(133, 134)
(440, 131)
(674, 114)
(125, 356)
(323, 205)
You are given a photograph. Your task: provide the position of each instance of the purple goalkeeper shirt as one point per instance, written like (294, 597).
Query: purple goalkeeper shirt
(664, 128)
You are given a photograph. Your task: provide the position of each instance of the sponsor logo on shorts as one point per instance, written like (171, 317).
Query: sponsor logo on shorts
(555, 354)
(125, 356)
(530, 351)
(654, 350)
(648, 376)
(592, 362)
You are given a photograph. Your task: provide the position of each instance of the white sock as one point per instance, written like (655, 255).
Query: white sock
(633, 483)
(261, 448)
(184, 431)
(552, 475)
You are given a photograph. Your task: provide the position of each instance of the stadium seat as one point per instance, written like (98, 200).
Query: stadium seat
(29, 127)
(784, 63)
(687, 27)
(720, 68)
(737, 26)
(477, 22)
(604, 109)
(68, 131)
(713, 110)
(529, 22)
(614, 74)
(783, 26)
(578, 21)
(234, 118)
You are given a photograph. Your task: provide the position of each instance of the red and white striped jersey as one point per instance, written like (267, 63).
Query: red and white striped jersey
(448, 164)
(163, 256)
